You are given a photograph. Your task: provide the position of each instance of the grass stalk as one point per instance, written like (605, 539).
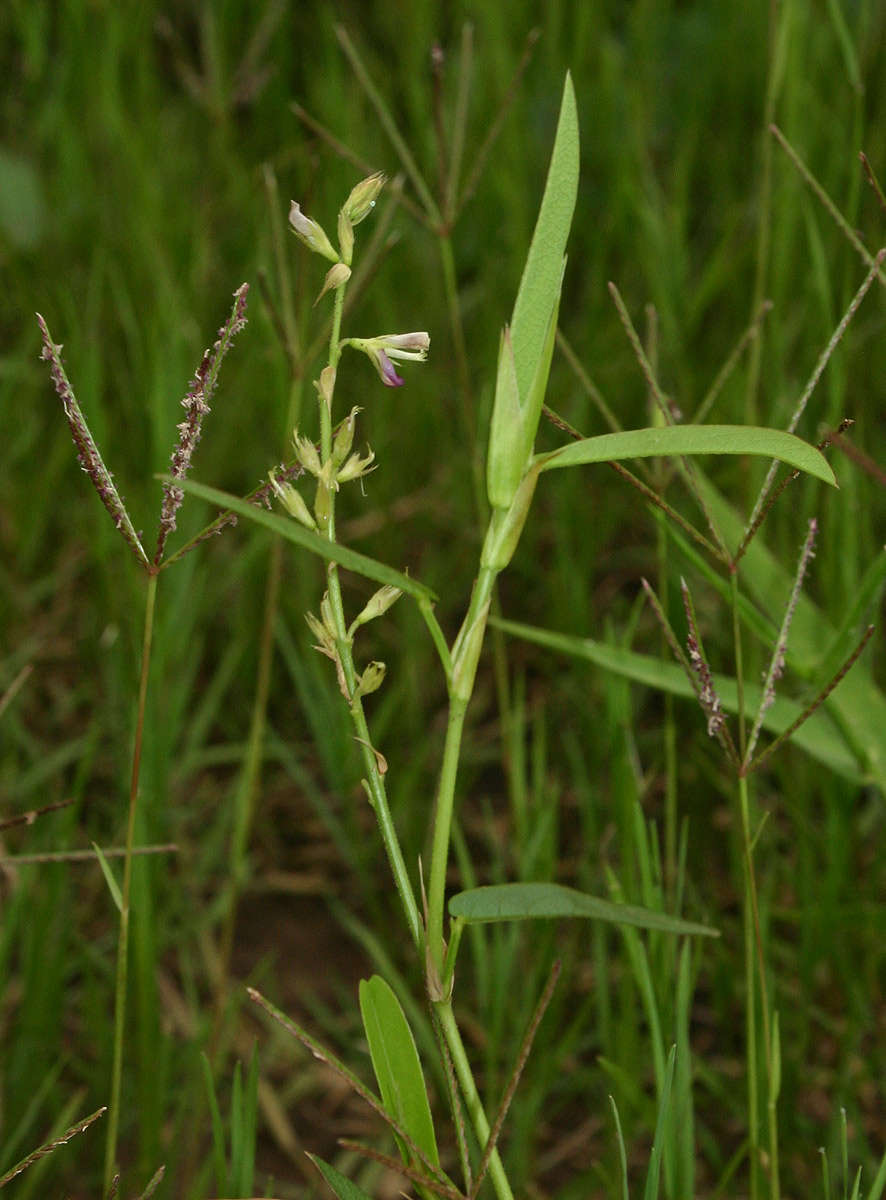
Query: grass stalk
(123, 941)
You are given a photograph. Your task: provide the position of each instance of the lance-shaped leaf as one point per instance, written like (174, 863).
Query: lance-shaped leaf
(527, 346)
(397, 1067)
(692, 439)
(525, 901)
(308, 540)
(340, 1184)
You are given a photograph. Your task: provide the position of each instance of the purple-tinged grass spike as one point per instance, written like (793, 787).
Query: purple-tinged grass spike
(87, 451)
(776, 665)
(196, 405)
(707, 694)
(816, 703)
(695, 669)
(823, 360)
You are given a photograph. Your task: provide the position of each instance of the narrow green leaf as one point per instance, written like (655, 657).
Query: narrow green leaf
(340, 1184)
(652, 1179)
(622, 1153)
(879, 1185)
(818, 737)
(542, 274)
(290, 529)
(525, 901)
(397, 1067)
(113, 886)
(692, 439)
(219, 1152)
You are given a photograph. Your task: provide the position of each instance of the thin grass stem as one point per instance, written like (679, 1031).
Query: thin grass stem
(123, 942)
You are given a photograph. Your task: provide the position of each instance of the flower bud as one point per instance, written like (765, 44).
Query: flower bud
(293, 502)
(355, 467)
(311, 233)
(372, 678)
(306, 453)
(344, 438)
(335, 277)
(325, 386)
(325, 640)
(362, 199)
(377, 606)
(345, 237)
(322, 504)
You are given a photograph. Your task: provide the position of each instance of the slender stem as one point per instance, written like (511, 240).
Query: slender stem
(443, 828)
(465, 655)
(751, 999)
(471, 1096)
(374, 774)
(123, 942)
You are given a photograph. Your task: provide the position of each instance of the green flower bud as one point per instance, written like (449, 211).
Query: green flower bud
(355, 467)
(378, 605)
(306, 453)
(325, 386)
(344, 438)
(362, 199)
(345, 237)
(293, 502)
(310, 233)
(335, 277)
(371, 679)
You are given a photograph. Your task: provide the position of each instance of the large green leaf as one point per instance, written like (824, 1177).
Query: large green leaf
(525, 901)
(397, 1067)
(692, 439)
(289, 528)
(818, 736)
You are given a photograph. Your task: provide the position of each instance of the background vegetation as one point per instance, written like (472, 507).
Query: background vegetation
(140, 149)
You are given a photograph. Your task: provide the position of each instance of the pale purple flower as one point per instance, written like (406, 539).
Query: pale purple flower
(404, 346)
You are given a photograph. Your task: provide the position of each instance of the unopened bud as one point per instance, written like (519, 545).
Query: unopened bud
(362, 199)
(345, 236)
(325, 640)
(306, 453)
(322, 504)
(355, 467)
(335, 277)
(293, 502)
(325, 385)
(344, 438)
(311, 233)
(378, 605)
(372, 678)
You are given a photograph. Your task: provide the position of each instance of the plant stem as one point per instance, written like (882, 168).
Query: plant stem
(471, 1096)
(123, 941)
(374, 775)
(465, 655)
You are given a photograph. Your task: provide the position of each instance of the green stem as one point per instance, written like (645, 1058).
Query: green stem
(751, 998)
(465, 656)
(374, 777)
(123, 942)
(471, 1096)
